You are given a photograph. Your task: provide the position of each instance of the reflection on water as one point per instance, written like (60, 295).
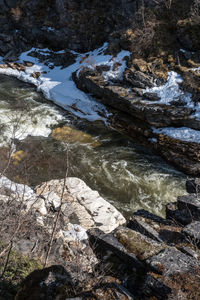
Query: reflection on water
(125, 173)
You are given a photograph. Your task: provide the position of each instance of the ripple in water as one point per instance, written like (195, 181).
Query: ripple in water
(125, 173)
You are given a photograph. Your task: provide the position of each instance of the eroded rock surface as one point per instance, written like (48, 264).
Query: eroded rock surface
(59, 211)
(165, 251)
(145, 118)
(81, 204)
(152, 257)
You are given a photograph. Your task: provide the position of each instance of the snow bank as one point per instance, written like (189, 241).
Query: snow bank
(117, 66)
(21, 190)
(57, 85)
(182, 133)
(171, 91)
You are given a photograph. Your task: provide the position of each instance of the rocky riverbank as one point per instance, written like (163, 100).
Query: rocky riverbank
(166, 121)
(145, 65)
(148, 70)
(49, 224)
(158, 108)
(92, 256)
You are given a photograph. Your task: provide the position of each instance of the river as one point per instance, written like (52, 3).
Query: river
(47, 141)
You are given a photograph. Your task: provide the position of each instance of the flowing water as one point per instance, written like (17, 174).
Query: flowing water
(47, 141)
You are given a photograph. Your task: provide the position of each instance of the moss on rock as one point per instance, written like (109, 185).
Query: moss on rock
(18, 268)
(138, 244)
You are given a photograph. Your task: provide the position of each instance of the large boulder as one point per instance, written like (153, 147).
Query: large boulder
(69, 206)
(80, 204)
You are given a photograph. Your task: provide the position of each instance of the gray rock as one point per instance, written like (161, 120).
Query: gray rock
(103, 242)
(135, 242)
(191, 203)
(189, 251)
(138, 79)
(148, 215)
(193, 231)
(139, 224)
(178, 216)
(130, 246)
(155, 287)
(193, 186)
(171, 261)
(151, 96)
(169, 234)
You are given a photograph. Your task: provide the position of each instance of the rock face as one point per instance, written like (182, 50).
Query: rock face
(163, 250)
(81, 204)
(78, 24)
(60, 23)
(152, 258)
(69, 205)
(144, 116)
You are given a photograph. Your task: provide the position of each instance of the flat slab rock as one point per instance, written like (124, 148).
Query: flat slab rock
(169, 234)
(171, 261)
(193, 230)
(130, 246)
(191, 203)
(82, 205)
(175, 276)
(135, 242)
(102, 243)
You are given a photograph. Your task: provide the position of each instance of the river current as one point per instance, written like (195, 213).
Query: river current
(47, 141)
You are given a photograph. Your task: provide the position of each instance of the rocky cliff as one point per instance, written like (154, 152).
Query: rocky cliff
(163, 41)
(83, 25)
(79, 25)
(149, 257)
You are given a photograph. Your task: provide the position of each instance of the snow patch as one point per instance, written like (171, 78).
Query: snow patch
(171, 91)
(117, 66)
(57, 85)
(75, 232)
(21, 190)
(183, 133)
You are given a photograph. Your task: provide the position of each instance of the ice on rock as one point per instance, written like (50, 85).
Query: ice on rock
(171, 90)
(57, 84)
(183, 133)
